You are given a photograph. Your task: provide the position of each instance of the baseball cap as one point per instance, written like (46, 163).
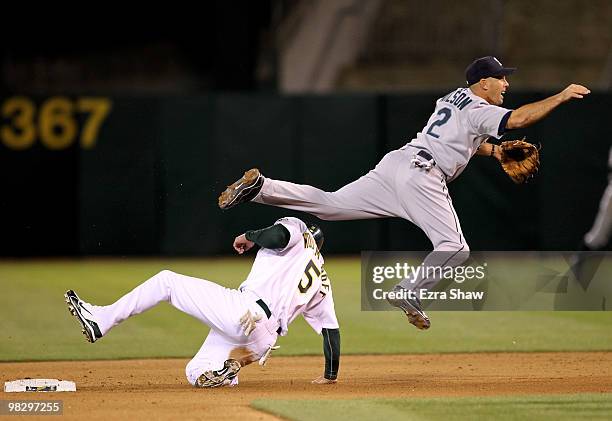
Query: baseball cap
(485, 67)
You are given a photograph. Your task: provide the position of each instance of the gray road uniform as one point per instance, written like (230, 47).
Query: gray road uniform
(410, 182)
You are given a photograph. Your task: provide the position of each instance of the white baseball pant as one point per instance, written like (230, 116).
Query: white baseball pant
(218, 307)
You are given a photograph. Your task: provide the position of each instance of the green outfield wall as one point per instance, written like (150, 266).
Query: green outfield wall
(90, 174)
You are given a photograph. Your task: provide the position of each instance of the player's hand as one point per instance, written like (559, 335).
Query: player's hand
(574, 91)
(241, 244)
(497, 152)
(267, 354)
(248, 322)
(323, 380)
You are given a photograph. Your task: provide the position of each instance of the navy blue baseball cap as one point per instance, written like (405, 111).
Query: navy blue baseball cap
(485, 67)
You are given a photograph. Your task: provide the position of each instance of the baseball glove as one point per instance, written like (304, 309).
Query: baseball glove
(520, 160)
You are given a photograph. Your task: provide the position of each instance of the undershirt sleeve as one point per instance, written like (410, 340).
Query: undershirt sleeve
(273, 237)
(331, 349)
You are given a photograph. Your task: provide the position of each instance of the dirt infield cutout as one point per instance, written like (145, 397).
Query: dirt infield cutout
(158, 389)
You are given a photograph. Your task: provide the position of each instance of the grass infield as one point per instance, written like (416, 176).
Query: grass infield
(551, 407)
(35, 324)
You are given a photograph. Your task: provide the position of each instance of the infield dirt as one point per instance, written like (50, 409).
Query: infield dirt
(158, 389)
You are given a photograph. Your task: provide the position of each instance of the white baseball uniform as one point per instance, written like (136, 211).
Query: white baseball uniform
(290, 281)
(599, 235)
(410, 182)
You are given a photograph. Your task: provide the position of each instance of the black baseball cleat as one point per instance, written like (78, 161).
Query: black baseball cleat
(243, 190)
(77, 308)
(223, 377)
(410, 306)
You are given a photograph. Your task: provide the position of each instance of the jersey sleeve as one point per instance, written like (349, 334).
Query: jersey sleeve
(487, 119)
(320, 313)
(295, 227)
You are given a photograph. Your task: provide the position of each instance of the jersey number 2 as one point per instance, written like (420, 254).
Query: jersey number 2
(445, 114)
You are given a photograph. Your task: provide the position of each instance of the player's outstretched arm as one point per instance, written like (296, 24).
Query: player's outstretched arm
(273, 237)
(532, 113)
(331, 349)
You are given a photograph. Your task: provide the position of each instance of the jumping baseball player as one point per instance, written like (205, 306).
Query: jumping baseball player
(287, 279)
(411, 182)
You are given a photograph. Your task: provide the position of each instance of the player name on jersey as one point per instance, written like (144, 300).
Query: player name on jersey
(458, 98)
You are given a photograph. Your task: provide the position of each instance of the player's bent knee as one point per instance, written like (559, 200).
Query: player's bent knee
(165, 273)
(451, 246)
(193, 371)
(192, 379)
(163, 277)
(457, 252)
(206, 374)
(197, 366)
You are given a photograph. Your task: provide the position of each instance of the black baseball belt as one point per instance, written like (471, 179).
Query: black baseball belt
(266, 310)
(426, 155)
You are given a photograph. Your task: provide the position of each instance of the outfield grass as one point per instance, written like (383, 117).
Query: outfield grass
(554, 407)
(35, 324)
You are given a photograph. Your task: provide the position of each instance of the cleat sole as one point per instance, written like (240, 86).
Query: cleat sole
(234, 191)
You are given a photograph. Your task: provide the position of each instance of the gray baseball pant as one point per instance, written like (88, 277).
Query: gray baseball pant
(395, 188)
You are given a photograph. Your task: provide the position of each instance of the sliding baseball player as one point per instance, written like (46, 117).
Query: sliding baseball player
(287, 279)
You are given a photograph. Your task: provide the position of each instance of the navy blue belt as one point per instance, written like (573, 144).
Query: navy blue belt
(426, 155)
(266, 310)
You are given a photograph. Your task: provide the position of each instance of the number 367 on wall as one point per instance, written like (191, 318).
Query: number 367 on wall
(55, 122)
